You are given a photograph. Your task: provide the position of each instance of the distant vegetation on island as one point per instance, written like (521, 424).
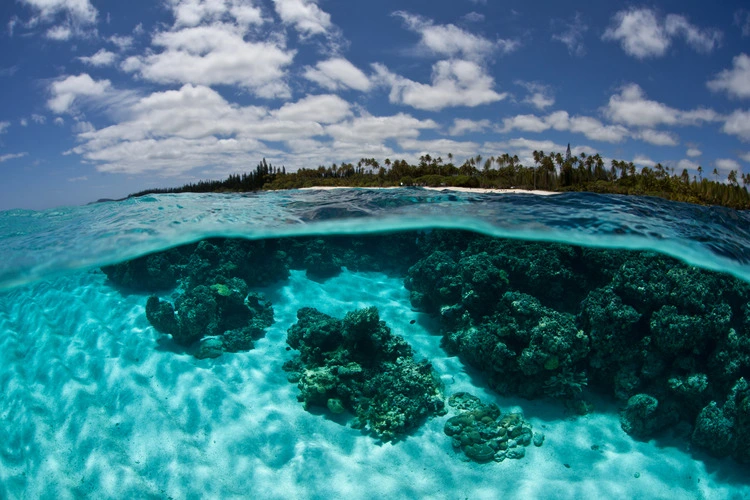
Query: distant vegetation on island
(552, 172)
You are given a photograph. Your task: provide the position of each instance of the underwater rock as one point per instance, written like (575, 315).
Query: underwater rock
(319, 261)
(525, 348)
(314, 335)
(713, 431)
(358, 364)
(434, 282)
(224, 310)
(548, 271)
(679, 334)
(482, 283)
(644, 416)
(612, 327)
(211, 347)
(257, 263)
(161, 316)
(725, 430)
(153, 272)
(335, 406)
(538, 439)
(484, 434)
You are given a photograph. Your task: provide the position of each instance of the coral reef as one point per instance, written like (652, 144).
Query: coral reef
(522, 346)
(263, 262)
(484, 434)
(358, 365)
(225, 316)
(210, 315)
(669, 341)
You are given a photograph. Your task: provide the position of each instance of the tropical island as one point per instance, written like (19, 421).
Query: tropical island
(551, 172)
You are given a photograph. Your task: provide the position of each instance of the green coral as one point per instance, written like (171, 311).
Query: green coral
(520, 344)
(221, 289)
(225, 312)
(358, 364)
(566, 384)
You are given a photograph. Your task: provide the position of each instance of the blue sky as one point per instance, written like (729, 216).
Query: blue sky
(103, 98)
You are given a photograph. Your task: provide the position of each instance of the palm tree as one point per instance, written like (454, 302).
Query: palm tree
(732, 178)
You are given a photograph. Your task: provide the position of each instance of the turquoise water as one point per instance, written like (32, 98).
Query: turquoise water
(40, 244)
(96, 402)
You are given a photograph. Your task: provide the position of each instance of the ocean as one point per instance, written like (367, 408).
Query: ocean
(375, 343)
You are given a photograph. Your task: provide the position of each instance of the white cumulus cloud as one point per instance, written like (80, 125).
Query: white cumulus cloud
(215, 55)
(738, 123)
(190, 13)
(560, 120)
(454, 83)
(463, 126)
(639, 32)
(540, 96)
(375, 129)
(449, 40)
(657, 137)
(727, 164)
(64, 92)
(175, 131)
(643, 34)
(304, 15)
(631, 107)
(439, 147)
(643, 161)
(122, 42)
(735, 81)
(316, 108)
(526, 123)
(701, 40)
(336, 74)
(103, 57)
(68, 18)
(80, 11)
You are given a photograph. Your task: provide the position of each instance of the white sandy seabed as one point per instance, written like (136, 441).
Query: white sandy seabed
(96, 404)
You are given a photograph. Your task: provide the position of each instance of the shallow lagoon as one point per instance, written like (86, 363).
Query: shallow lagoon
(97, 402)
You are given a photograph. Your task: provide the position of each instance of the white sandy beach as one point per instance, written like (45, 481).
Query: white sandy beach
(450, 188)
(97, 404)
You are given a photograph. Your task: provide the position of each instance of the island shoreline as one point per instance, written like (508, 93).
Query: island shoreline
(537, 192)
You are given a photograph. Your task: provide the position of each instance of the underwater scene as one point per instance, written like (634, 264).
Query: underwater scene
(363, 343)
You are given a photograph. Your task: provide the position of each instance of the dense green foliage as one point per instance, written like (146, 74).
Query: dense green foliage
(553, 172)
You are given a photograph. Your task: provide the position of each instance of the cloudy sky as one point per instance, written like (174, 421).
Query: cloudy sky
(103, 98)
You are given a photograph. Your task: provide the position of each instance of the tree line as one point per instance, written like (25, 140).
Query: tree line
(551, 171)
